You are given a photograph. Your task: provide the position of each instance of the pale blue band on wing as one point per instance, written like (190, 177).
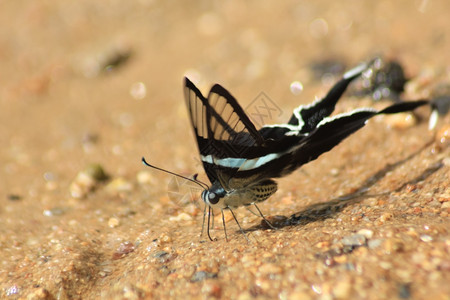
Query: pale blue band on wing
(242, 164)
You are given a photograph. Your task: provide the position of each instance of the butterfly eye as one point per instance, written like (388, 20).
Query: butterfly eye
(212, 197)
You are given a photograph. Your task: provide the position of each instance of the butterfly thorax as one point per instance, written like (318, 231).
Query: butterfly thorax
(218, 197)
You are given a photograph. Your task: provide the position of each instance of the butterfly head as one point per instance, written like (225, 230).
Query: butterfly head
(214, 196)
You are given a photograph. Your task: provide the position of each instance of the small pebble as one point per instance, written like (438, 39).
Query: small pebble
(426, 238)
(385, 265)
(385, 217)
(334, 172)
(12, 290)
(404, 291)
(56, 211)
(82, 185)
(302, 295)
(132, 292)
(145, 177)
(96, 172)
(161, 256)
(181, 217)
(211, 289)
(341, 259)
(165, 238)
(342, 289)
(138, 90)
(40, 293)
(202, 275)
(367, 233)
(119, 185)
(442, 138)
(354, 240)
(296, 87)
(372, 244)
(268, 269)
(393, 245)
(322, 245)
(87, 180)
(434, 203)
(113, 222)
(399, 120)
(124, 249)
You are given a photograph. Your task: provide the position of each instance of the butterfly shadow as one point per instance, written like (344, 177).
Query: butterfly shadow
(321, 211)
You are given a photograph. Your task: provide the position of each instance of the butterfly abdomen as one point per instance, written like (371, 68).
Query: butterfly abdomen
(263, 190)
(249, 195)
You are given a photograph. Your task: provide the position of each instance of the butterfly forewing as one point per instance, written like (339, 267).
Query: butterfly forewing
(228, 121)
(197, 109)
(225, 135)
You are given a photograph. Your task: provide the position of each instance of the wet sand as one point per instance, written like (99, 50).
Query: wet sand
(91, 85)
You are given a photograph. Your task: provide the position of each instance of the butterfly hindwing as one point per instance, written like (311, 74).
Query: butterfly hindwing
(305, 118)
(330, 132)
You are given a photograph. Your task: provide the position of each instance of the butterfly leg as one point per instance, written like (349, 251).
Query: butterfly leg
(240, 228)
(261, 214)
(224, 227)
(203, 223)
(209, 219)
(212, 217)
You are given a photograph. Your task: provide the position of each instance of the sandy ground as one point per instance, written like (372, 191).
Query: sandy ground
(87, 85)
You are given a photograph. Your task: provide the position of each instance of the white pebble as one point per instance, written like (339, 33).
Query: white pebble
(296, 87)
(366, 232)
(138, 90)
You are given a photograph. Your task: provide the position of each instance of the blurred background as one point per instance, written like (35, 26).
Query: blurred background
(109, 73)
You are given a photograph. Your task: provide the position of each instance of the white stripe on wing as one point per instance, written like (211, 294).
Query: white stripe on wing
(242, 164)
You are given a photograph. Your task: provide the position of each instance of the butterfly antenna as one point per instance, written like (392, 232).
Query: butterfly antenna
(195, 178)
(198, 182)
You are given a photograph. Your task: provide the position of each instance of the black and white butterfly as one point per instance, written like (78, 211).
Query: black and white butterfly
(241, 161)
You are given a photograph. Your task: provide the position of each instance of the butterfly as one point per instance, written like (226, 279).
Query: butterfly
(241, 161)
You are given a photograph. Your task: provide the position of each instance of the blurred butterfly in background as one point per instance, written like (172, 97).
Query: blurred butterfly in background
(241, 161)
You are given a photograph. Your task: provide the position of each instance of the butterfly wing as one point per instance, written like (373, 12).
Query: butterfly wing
(306, 117)
(225, 135)
(310, 131)
(309, 116)
(331, 131)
